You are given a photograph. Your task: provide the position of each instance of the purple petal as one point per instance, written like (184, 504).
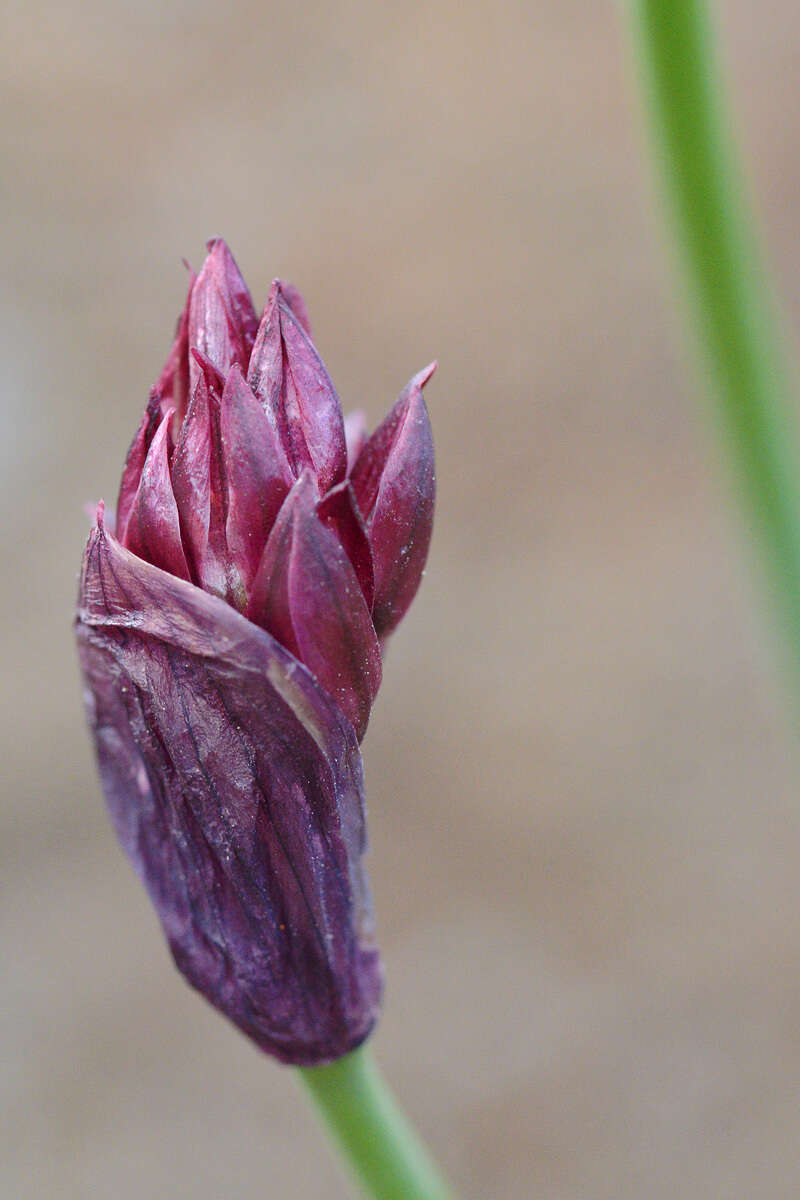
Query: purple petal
(339, 511)
(196, 478)
(235, 786)
(290, 379)
(153, 528)
(222, 320)
(134, 462)
(307, 594)
(257, 473)
(395, 487)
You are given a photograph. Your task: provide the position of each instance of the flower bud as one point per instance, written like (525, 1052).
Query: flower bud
(230, 630)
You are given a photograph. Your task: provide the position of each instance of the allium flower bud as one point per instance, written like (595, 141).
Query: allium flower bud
(230, 629)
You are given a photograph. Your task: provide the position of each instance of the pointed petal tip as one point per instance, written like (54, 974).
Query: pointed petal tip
(100, 516)
(305, 491)
(217, 245)
(219, 252)
(216, 249)
(235, 374)
(213, 377)
(422, 377)
(288, 296)
(294, 301)
(276, 296)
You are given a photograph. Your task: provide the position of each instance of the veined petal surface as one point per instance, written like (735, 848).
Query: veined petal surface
(307, 594)
(289, 377)
(222, 321)
(395, 486)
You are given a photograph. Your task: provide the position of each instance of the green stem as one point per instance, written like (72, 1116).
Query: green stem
(366, 1124)
(734, 317)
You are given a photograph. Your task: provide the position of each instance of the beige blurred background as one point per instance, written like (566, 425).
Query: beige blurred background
(583, 794)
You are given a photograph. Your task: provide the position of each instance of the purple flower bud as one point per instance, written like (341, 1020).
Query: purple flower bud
(229, 640)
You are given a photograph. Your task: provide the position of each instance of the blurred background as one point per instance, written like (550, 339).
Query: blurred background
(582, 790)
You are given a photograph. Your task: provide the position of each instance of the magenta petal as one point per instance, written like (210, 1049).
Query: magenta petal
(269, 603)
(191, 476)
(153, 528)
(395, 487)
(222, 320)
(265, 370)
(307, 594)
(339, 511)
(312, 406)
(257, 474)
(196, 472)
(235, 786)
(134, 462)
(290, 379)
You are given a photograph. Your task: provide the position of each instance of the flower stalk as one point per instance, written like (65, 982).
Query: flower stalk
(368, 1128)
(731, 306)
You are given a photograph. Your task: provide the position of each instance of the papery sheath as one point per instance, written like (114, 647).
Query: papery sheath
(235, 785)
